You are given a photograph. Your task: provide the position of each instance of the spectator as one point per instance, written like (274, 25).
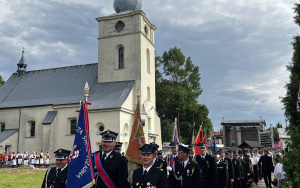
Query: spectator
(279, 174)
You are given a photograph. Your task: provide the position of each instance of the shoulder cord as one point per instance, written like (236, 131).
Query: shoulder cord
(177, 178)
(48, 171)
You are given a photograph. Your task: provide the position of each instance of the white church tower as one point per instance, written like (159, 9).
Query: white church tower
(126, 48)
(126, 51)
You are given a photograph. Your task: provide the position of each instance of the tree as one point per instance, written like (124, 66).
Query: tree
(1, 81)
(177, 90)
(278, 125)
(291, 168)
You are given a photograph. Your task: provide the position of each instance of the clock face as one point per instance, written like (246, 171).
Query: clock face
(119, 26)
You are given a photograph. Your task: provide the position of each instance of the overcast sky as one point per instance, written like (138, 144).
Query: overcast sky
(242, 47)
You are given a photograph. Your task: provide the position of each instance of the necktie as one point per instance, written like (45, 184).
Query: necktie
(57, 172)
(103, 157)
(145, 173)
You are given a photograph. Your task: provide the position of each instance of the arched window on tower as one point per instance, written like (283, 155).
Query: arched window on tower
(121, 57)
(148, 61)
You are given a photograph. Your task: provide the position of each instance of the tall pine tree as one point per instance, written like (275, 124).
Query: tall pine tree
(292, 165)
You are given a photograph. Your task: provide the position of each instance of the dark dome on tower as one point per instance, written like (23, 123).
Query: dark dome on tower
(127, 5)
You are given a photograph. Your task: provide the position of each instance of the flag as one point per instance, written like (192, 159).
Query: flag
(175, 133)
(199, 139)
(205, 141)
(214, 146)
(137, 139)
(81, 172)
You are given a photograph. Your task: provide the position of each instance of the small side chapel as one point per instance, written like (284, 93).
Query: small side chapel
(39, 108)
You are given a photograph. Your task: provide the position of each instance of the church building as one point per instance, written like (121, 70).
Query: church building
(39, 108)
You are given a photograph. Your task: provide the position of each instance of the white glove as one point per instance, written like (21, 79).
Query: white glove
(169, 168)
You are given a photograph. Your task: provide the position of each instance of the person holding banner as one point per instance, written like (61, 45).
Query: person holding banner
(57, 176)
(110, 167)
(148, 175)
(173, 156)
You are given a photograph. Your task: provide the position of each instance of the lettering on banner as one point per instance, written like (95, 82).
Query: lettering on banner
(84, 169)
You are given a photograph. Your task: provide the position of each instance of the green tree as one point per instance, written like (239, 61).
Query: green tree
(177, 90)
(291, 168)
(1, 81)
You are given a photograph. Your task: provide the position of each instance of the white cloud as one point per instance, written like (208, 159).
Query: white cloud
(241, 46)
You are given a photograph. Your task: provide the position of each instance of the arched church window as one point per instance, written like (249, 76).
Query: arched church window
(121, 57)
(148, 61)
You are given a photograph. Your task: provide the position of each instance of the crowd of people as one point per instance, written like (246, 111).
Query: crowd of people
(14, 160)
(181, 168)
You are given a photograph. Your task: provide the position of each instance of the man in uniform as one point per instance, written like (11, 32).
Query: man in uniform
(186, 173)
(246, 168)
(236, 168)
(192, 155)
(267, 166)
(148, 175)
(110, 167)
(118, 149)
(228, 162)
(56, 177)
(173, 156)
(222, 169)
(157, 162)
(207, 165)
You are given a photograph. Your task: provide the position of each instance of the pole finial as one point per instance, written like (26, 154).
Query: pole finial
(86, 91)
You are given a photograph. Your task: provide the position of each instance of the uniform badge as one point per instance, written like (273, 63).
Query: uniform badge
(137, 184)
(148, 184)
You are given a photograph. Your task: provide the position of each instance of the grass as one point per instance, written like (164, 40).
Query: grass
(21, 178)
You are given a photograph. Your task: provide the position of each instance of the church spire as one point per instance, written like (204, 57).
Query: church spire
(21, 65)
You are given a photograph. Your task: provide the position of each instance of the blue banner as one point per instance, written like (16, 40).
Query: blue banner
(80, 172)
(214, 146)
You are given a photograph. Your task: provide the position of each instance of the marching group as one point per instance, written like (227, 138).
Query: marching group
(13, 160)
(179, 169)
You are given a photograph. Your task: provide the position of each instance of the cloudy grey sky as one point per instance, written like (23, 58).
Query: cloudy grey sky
(242, 47)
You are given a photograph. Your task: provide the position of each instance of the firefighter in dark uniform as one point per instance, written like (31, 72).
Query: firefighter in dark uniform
(118, 149)
(229, 165)
(148, 175)
(157, 162)
(192, 155)
(246, 168)
(236, 168)
(172, 158)
(56, 177)
(186, 173)
(222, 168)
(207, 165)
(112, 163)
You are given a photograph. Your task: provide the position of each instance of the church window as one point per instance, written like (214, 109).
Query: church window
(148, 61)
(101, 127)
(2, 127)
(73, 126)
(149, 124)
(121, 58)
(32, 129)
(148, 93)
